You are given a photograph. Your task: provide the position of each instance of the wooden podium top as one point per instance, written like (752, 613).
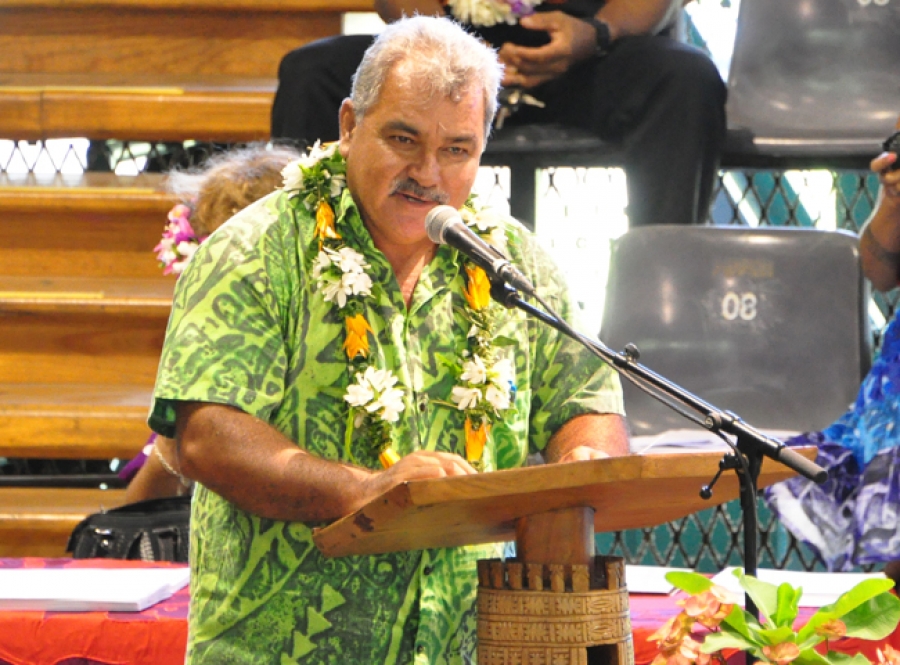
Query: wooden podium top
(628, 492)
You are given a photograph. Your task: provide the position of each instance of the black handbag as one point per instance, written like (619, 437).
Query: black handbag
(151, 530)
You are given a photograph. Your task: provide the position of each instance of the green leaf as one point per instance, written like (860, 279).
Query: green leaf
(788, 605)
(868, 610)
(692, 583)
(810, 657)
(763, 594)
(837, 658)
(742, 622)
(875, 619)
(725, 640)
(777, 635)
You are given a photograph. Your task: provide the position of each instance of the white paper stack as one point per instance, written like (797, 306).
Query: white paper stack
(689, 440)
(649, 579)
(88, 589)
(819, 589)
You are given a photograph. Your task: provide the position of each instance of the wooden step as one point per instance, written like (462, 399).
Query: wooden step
(73, 421)
(37, 521)
(149, 297)
(135, 107)
(240, 38)
(96, 225)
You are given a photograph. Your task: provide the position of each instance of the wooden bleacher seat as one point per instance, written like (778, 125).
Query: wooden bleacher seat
(166, 70)
(37, 521)
(83, 304)
(83, 309)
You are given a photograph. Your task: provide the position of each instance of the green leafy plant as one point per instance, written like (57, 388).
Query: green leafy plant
(712, 622)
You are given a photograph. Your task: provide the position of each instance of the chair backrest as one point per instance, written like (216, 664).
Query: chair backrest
(768, 323)
(814, 79)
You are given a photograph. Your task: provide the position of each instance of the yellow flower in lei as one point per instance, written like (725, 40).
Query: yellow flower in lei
(485, 384)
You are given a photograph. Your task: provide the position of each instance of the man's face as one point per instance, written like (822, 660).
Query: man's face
(409, 154)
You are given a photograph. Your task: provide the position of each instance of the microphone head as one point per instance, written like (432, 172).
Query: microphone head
(438, 219)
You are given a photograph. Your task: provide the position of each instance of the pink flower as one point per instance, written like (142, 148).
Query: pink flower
(890, 656)
(672, 632)
(179, 241)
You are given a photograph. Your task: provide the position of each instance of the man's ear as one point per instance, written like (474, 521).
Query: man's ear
(347, 119)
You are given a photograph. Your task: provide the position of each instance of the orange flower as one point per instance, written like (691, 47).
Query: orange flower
(357, 342)
(782, 654)
(832, 629)
(475, 439)
(325, 222)
(478, 292)
(672, 632)
(890, 656)
(709, 607)
(388, 458)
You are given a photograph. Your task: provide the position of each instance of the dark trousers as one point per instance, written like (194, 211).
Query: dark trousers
(662, 100)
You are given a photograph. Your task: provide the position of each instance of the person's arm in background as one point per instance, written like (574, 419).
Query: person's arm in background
(573, 40)
(879, 245)
(589, 436)
(155, 480)
(255, 467)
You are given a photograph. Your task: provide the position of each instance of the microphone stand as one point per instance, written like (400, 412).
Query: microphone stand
(746, 456)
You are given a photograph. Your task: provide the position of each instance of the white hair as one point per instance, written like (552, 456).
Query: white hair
(447, 59)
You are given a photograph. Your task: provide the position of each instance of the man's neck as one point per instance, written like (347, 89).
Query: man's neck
(408, 264)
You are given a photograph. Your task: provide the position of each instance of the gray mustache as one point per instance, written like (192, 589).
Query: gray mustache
(411, 187)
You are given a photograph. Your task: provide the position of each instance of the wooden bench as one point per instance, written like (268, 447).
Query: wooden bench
(162, 70)
(37, 521)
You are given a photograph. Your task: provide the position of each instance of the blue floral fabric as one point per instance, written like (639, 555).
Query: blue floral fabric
(852, 518)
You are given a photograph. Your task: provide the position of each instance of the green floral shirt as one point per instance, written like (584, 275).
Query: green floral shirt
(249, 329)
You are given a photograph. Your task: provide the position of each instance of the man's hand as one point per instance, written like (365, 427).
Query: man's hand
(571, 41)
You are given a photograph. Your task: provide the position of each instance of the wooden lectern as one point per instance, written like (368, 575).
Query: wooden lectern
(556, 603)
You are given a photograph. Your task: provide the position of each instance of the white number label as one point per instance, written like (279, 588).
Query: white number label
(739, 306)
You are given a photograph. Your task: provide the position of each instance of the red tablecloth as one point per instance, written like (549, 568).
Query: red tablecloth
(158, 635)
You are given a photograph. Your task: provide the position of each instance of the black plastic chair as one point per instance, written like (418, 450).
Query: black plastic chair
(812, 83)
(769, 323)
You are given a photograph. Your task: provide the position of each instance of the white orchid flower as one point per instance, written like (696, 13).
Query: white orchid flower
(474, 371)
(465, 398)
(359, 394)
(499, 399)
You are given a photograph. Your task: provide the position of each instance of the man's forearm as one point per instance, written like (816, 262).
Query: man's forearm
(255, 467)
(606, 433)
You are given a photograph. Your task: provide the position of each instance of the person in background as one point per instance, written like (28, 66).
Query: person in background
(610, 67)
(322, 350)
(226, 183)
(853, 518)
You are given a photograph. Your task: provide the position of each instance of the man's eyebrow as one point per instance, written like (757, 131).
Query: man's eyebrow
(401, 126)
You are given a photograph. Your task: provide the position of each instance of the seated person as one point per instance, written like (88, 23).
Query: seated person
(608, 67)
(322, 350)
(208, 196)
(852, 518)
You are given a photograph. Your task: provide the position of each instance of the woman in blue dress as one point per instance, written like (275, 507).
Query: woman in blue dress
(853, 518)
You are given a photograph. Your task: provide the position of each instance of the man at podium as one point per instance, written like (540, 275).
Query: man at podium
(322, 349)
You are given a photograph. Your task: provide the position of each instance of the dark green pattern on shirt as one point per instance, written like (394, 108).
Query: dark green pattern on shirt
(249, 330)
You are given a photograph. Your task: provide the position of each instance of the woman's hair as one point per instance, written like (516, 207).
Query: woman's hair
(228, 182)
(439, 53)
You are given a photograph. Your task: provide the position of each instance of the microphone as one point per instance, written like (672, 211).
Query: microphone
(445, 226)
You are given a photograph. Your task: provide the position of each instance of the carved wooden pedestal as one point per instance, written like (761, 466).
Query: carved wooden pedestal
(572, 611)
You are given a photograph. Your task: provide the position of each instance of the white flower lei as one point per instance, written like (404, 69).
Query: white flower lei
(486, 13)
(486, 384)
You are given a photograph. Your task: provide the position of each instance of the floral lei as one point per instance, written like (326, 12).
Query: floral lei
(491, 12)
(179, 241)
(485, 384)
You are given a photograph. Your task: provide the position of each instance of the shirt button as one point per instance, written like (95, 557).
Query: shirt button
(423, 405)
(428, 570)
(420, 649)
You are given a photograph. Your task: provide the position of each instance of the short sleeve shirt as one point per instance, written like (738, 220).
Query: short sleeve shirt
(249, 329)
